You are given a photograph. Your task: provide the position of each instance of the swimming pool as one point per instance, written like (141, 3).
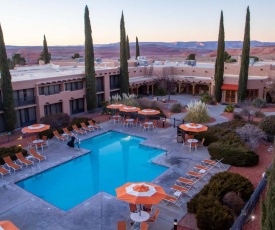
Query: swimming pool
(115, 159)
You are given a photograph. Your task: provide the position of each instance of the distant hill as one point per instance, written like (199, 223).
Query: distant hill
(154, 50)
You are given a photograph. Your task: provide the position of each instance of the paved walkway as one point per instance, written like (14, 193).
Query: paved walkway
(102, 211)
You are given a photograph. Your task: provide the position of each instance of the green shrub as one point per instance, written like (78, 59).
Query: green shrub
(160, 91)
(176, 108)
(229, 108)
(267, 124)
(259, 103)
(219, 185)
(206, 98)
(58, 120)
(77, 120)
(213, 215)
(233, 153)
(11, 151)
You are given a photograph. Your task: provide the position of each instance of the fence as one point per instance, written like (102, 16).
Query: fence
(250, 205)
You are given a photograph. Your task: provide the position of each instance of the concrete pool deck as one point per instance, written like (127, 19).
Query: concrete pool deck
(102, 211)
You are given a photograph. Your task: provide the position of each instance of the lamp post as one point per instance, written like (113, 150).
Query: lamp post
(163, 120)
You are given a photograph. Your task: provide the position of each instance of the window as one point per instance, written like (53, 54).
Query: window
(100, 98)
(2, 127)
(53, 108)
(25, 117)
(99, 84)
(230, 96)
(114, 82)
(50, 89)
(71, 86)
(24, 97)
(252, 94)
(77, 106)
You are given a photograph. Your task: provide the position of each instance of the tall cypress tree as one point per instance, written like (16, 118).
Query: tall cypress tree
(128, 49)
(124, 76)
(7, 92)
(91, 98)
(46, 53)
(268, 206)
(137, 48)
(243, 77)
(219, 65)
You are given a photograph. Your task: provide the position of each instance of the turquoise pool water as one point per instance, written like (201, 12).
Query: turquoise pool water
(115, 159)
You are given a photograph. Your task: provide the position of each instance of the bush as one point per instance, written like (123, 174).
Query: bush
(160, 91)
(267, 124)
(58, 120)
(252, 135)
(233, 153)
(259, 103)
(11, 151)
(229, 108)
(176, 108)
(207, 98)
(213, 215)
(197, 112)
(77, 120)
(219, 185)
(233, 201)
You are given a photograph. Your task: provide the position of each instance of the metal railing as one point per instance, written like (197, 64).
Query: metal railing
(250, 205)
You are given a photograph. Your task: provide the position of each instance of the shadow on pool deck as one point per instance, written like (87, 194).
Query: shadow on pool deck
(101, 211)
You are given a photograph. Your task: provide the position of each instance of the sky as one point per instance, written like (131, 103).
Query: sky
(62, 21)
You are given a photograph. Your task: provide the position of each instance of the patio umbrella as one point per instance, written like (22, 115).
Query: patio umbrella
(7, 225)
(129, 109)
(140, 193)
(115, 106)
(193, 127)
(148, 112)
(35, 128)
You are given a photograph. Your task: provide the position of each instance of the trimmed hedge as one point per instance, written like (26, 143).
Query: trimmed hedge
(219, 185)
(11, 151)
(233, 154)
(267, 124)
(212, 211)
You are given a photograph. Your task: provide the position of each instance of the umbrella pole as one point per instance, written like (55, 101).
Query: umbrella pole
(140, 210)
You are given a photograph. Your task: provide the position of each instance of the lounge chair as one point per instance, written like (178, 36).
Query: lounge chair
(93, 125)
(59, 137)
(121, 225)
(67, 132)
(78, 131)
(153, 218)
(196, 175)
(173, 200)
(86, 128)
(215, 163)
(4, 171)
(23, 160)
(188, 183)
(36, 155)
(203, 167)
(181, 189)
(11, 164)
(200, 143)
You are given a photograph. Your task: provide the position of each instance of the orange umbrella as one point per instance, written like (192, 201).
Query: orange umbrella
(149, 112)
(35, 128)
(7, 225)
(140, 193)
(115, 106)
(129, 109)
(193, 127)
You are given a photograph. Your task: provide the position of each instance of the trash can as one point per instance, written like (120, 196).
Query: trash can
(179, 138)
(179, 134)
